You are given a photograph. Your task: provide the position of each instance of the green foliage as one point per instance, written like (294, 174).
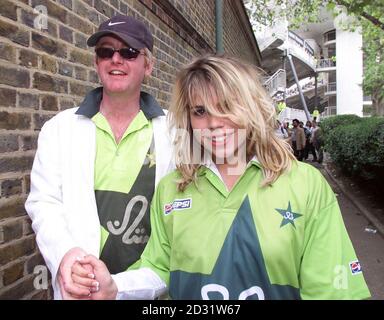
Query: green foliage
(297, 12)
(267, 12)
(356, 145)
(373, 39)
(328, 124)
(368, 110)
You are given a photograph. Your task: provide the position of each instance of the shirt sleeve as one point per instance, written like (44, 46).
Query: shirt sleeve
(141, 284)
(45, 201)
(329, 267)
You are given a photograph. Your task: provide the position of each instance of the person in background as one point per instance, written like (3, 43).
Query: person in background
(96, 166)
(309, 148)
(281, 132)
(239, 218)
(298, 140)
(317, 141)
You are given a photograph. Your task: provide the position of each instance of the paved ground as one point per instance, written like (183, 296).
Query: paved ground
(369, 246)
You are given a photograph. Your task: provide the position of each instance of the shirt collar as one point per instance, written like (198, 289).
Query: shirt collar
(91, 104)
(209, 164)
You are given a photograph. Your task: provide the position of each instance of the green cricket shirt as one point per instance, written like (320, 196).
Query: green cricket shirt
(124, 186)
(285, 241)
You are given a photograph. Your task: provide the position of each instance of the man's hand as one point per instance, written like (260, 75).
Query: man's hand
(69, 290)
(103, 287)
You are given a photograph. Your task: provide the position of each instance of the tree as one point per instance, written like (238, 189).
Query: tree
(369, 10)
(373, 39)
(369, 14)
(297, 11)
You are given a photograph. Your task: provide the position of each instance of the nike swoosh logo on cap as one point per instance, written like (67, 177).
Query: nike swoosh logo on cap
(113, 23)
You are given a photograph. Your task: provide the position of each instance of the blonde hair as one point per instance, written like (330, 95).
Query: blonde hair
(148, 56)
(242, 99)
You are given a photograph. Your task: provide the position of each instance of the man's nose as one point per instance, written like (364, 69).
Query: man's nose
(117, 58)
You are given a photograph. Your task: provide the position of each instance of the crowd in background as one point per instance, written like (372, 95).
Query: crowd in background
(304, 139)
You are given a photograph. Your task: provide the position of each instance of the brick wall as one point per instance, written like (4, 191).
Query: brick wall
(238, 36)
(44, 71)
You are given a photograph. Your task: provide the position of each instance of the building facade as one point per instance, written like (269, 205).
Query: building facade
(328, 63)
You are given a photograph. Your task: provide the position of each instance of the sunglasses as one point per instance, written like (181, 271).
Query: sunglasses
(126, 53)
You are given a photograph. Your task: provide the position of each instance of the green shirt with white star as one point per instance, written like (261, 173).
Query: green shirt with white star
(285, 241)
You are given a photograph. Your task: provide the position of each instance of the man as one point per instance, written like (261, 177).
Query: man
(298, 140)
(95, 168)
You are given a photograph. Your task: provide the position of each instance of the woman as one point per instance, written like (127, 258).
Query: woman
(240, 218)
(281, 131)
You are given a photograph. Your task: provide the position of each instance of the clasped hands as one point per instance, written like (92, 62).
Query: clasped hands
(85, 277)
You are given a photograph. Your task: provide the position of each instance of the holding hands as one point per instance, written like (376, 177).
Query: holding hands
(99, 284)
(69, 290)
(84, 277)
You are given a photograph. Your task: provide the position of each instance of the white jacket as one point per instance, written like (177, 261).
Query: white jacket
(62, 202)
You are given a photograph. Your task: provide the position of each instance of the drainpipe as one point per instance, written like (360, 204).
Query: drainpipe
(219, 26)
(299, 87)
(285, 89)
(316, 93)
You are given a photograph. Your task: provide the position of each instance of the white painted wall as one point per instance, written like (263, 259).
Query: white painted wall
(349, 72)
(288, 114)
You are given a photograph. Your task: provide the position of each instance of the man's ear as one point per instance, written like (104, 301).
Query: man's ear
(148, 68)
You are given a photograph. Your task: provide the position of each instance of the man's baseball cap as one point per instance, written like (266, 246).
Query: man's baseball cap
(133, 32)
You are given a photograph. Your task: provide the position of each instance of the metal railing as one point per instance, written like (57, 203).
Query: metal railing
(276, 83)
(277, 34)
(329, 111)
(331, 87)
(326, 63)
(301, 42)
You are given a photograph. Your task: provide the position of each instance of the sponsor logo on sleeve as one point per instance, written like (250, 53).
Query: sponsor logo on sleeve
(355, 267)
(178, 204)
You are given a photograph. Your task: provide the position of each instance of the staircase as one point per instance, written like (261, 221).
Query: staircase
(276, 83)
(321, 104)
